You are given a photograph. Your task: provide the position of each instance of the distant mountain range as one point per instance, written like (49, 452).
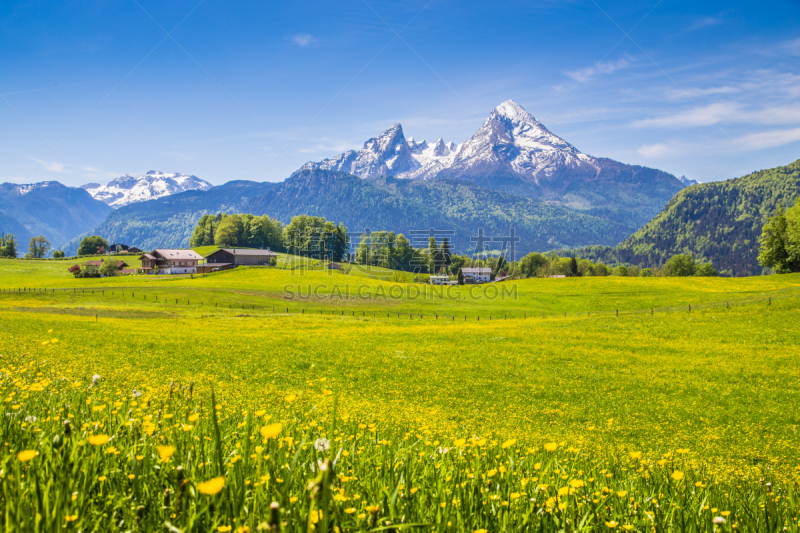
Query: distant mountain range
(719, 222)
(155, 184)
(48, 208)
(513, 172)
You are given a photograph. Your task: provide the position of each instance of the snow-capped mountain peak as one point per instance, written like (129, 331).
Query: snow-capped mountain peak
(391, 153)
(128, 189)
(510, 140)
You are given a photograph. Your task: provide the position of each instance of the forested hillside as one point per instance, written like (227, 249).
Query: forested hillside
(719, 222)
(403, 206)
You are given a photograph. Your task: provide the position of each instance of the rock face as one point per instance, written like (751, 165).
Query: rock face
(515, 153)
(155, 184)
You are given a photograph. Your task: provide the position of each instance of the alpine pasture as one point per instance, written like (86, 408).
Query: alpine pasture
(309, 399)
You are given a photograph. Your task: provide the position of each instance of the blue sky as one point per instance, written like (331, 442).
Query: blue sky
(93, 90)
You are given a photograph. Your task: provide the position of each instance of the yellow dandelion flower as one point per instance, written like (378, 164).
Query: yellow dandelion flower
(98, 440)
(290, 398)
(509, 443)
(194, 417)
(636, 455)
(459, 442)
(677, 475)
(165, 452)
(224, 529)
(612, 524)
(351, 510)
(71, 517)
(271, 431)
(212, 486)
(551, 446)
(622, 493)
(26, 455)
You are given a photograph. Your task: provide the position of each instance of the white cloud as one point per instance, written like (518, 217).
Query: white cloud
(52, 166)
(697, 92)
(703, 22)
(723, 112)
(602, 67)
(303, 39)
(769, 139)
(698, 116)
(654, 151)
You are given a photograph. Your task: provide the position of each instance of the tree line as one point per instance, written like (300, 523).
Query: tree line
(38, 247)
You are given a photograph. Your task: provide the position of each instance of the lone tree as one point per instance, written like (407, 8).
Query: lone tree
(780, 241)
(93, 245)
(38, 247)
(460, 277)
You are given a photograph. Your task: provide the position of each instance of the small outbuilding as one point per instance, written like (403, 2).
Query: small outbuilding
(240, 257)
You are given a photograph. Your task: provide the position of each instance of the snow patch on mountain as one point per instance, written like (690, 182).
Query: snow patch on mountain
(155, 184)
(25, 189)
(687, 182)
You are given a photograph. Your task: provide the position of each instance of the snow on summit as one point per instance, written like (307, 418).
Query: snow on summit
(155, 184)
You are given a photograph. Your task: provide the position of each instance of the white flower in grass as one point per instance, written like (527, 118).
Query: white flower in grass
(322, 445)
(719, 520)
(96, 379)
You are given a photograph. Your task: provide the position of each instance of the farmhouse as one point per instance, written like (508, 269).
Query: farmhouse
(170, 262)
(477, 275)
(226, 258)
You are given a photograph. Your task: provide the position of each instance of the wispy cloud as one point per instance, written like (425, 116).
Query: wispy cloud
(769, 139)
(303, 39)
(51, 166)
(723, 112)
(602, 67)
(703, 22)
(655, 151)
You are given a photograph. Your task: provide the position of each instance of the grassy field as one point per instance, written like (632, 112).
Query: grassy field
(662, 418)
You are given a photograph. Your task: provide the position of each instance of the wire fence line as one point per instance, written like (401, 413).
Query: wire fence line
(283, 309)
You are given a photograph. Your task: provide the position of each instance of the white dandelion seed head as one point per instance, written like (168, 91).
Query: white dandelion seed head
(322, 445)
(719, 520)
(95, 379)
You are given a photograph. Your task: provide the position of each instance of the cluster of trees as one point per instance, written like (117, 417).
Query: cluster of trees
(780, 241)
(8, 245)
(94, 245)
(540, 265)
(317, 237)
(38, 247)
(242, 230)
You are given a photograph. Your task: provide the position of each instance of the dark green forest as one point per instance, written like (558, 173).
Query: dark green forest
(718, 222)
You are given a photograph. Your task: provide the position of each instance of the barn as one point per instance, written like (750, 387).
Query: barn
(225, 258)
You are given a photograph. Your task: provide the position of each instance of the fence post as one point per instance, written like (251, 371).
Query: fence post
(617, 312)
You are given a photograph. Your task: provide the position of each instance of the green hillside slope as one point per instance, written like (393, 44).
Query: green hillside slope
(718, 222)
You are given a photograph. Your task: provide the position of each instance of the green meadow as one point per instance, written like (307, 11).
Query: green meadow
(681, 393)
